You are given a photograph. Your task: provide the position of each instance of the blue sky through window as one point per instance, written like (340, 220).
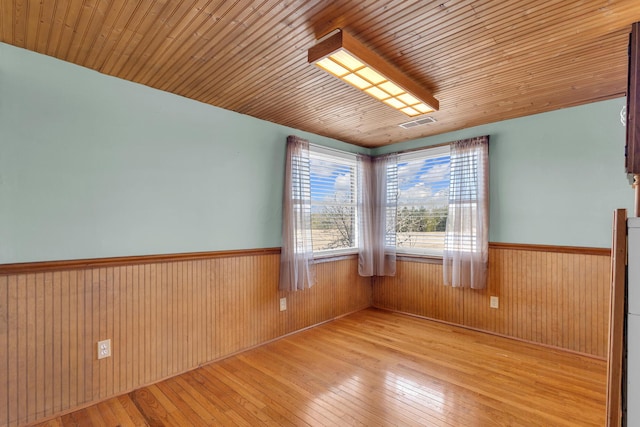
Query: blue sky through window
(330, 180)
(333, 208)
(424, 182)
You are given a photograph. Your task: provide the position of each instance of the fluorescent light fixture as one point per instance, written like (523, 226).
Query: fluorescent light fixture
(346, 58)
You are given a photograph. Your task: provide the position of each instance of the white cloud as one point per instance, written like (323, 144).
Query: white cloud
(415, 195)
(436, 173)
(323, 168)
(342, 186)
(416, 190)
(408, 172)
(422, 195)
(343, 182)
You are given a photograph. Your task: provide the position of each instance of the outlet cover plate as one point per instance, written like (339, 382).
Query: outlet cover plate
(104, 349)
(494, 302)
(283, 304)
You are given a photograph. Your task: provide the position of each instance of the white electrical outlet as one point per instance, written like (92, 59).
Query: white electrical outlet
(494, 302)
(283, 304)
(104, 349)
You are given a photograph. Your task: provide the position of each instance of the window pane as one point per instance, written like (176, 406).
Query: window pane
(333, 202)
(423, 196)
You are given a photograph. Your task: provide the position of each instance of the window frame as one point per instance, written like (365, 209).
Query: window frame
(417, 155)
(345, 158)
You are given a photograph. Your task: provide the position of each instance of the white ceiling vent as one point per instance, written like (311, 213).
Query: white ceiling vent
(418, 122)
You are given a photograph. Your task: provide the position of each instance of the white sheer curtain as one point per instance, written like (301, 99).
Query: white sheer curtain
(377, 205)
(297, 270)
(466, 244)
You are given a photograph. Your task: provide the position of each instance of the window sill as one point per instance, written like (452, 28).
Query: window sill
(427, 259)
(319, 259)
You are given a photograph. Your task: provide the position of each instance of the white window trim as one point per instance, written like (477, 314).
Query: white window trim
(330, 253)
(420, 252)
(422, 153)
(347, 159)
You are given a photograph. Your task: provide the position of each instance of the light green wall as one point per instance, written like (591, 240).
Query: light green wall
(94, 166)
(555, 178)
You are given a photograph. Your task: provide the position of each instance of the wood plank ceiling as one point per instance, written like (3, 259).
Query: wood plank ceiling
(484, 61)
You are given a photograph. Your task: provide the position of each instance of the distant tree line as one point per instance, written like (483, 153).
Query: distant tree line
(420, 220)
(339, 220)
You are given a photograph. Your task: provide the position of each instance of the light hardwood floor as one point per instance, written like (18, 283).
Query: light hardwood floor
(372, 368)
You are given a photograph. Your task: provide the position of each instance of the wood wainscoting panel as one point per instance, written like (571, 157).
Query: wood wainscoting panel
(418, 288)
(554, 298)
(163, 318)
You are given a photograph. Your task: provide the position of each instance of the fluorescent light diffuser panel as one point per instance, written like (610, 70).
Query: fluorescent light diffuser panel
(350, 61)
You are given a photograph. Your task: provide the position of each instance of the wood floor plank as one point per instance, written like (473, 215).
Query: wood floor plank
(306, 390)
(223, 396)
(245, 387)
(107, 415)
(373, 368)
(177, 409)
(207, 400)
(153, 412)
(450, 364)
(336, 374)
(182, 398)
(336, 367)
(97, 417)
(122, 415)
(298, 389)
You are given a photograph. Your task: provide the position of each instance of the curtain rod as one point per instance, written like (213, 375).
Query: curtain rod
(408, 150)
(324, 147)
(442, 144)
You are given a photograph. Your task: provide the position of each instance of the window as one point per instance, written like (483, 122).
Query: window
(419, 180)
(423, 196)
(333, 201)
